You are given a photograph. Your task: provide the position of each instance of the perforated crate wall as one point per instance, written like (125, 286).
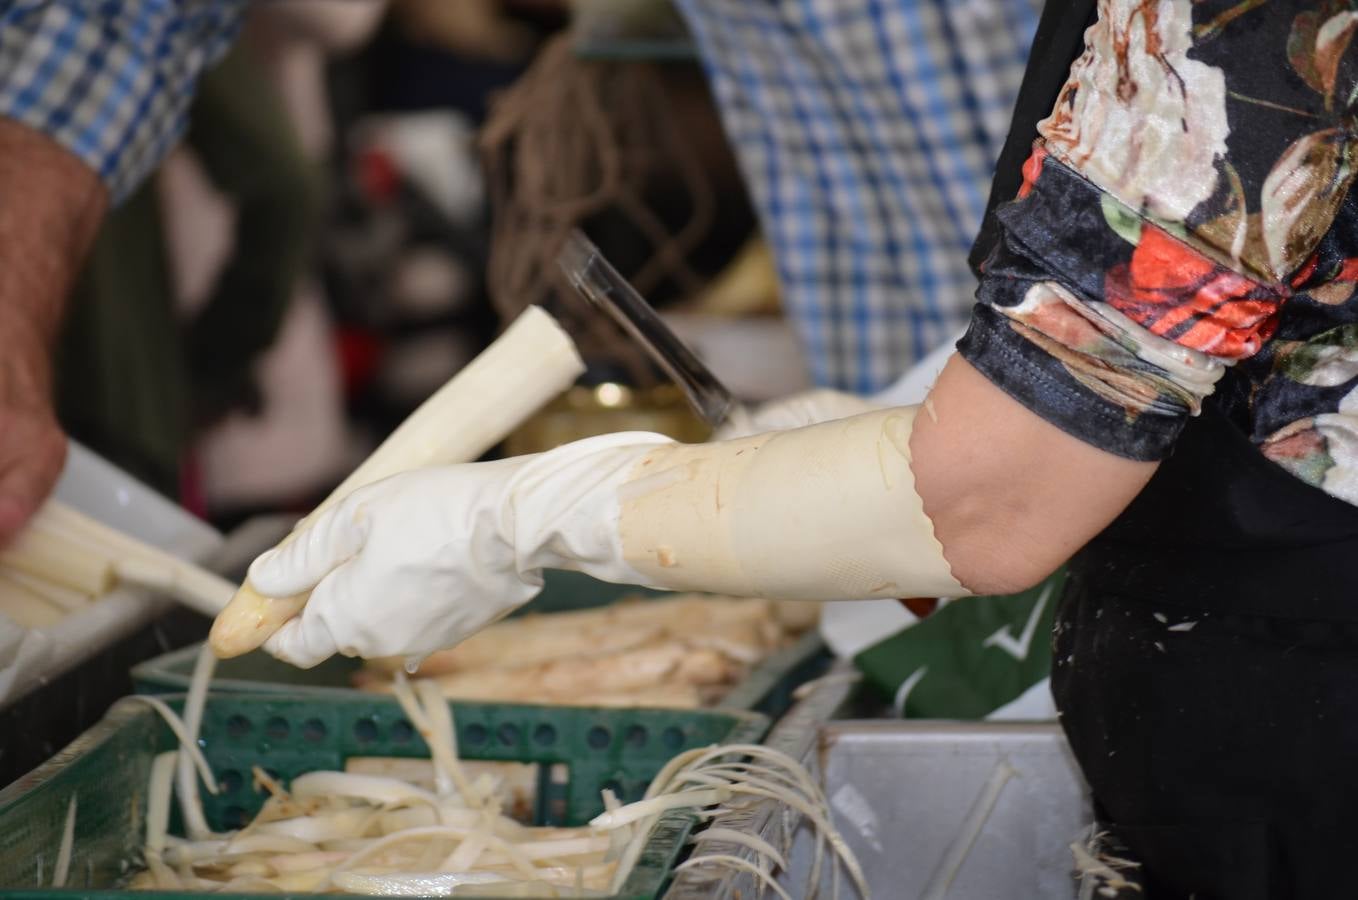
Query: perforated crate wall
(108, 767)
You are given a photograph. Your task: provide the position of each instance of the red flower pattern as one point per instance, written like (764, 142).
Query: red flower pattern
(1178, 293)
(1032, 168)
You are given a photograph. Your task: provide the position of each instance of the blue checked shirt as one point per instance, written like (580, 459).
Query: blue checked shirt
(111, 80)
(868, 131)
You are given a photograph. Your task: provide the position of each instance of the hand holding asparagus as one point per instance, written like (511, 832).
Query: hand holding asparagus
(532, 362)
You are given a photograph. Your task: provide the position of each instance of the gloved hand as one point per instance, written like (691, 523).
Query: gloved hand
(422, 560)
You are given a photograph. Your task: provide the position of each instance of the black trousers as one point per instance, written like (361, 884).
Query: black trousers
(1221, 749)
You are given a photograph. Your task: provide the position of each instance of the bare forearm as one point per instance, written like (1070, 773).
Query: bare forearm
(50, 208)
(1010, 495)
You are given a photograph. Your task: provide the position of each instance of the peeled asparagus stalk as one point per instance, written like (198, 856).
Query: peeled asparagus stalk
(530, 364)
(62, 555)
(25, 607)
(49, 554)
(598, 631)
(60, 595)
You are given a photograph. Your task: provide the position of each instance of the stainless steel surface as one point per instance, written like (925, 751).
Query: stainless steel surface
(903, 792)
(600, 284)
(903, 795)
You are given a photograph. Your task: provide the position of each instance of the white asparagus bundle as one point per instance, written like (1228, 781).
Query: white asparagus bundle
(489, 688)
(64, 558)
(542, 637)
(25, 607)
(646, 670)
(678, 652)
(527, 366)
(12, 636)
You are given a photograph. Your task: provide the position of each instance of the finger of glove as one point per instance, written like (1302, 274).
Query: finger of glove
(301, 643)
(326, 625)
(301, 562)
(340, 617)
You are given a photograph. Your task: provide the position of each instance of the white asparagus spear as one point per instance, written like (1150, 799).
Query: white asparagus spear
(67, 598)
(530, 364)
(25, 607)
(74, 553)
(59, 558)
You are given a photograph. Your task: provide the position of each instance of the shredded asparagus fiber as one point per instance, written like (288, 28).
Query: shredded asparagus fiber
(376, 834)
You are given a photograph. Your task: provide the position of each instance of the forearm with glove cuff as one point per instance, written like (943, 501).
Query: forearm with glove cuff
(826, 512)
(423, 560)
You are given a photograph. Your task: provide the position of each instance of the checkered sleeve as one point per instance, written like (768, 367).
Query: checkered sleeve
(867, 131)
(110, 80)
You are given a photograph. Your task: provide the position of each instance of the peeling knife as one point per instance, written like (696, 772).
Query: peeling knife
(600, 284)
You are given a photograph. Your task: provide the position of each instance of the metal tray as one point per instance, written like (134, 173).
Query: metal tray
(906, 795)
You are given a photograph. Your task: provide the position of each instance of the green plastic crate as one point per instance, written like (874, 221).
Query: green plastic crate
(767, 689)
(107, 770)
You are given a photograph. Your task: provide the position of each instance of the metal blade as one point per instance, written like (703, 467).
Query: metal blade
(600, 284)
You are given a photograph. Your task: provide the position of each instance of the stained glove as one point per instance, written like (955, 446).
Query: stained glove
(422, 560)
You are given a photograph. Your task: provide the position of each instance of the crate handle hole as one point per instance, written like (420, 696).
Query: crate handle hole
(365, 731)
(313, 730)
(545, 735)
(599, 738)
(476, 735)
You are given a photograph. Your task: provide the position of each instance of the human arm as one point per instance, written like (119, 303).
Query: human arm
(91, 95)
(1011, 496)
(1005, 520)
(1108, 313)
(51, 208)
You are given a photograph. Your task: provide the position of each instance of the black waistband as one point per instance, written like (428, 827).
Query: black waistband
(1221, 528)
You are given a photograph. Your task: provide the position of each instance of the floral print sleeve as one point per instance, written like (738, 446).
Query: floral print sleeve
(1185, 227)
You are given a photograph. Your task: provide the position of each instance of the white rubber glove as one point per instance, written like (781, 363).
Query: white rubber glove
(824, 405)
(422, 560)
(795, 411)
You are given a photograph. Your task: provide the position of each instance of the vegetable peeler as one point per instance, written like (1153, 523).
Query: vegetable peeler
(600, 284)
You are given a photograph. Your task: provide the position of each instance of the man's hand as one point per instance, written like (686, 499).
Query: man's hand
(50, 208)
